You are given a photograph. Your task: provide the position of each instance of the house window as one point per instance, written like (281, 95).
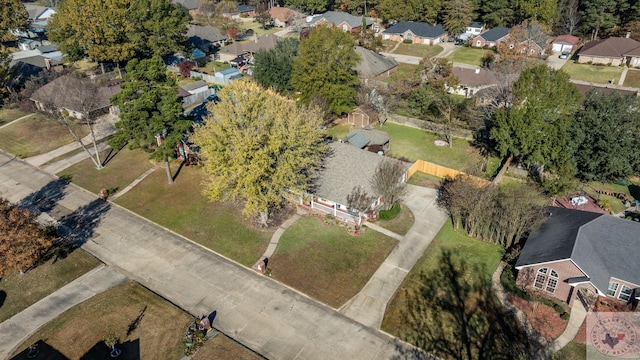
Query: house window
(625, 293)
(409, 36)
(613, 287)
(345, 28)
(478, 43)
(547, 280)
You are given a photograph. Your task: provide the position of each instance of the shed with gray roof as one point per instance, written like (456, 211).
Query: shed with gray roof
(583, 249)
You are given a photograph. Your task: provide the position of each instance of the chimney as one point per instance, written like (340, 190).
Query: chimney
(628, 34)
(47, 63)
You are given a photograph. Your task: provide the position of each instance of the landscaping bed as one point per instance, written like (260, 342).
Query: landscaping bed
(37, 135)
(19, 291)
(325, 261)
(545, 320)
(400, 223)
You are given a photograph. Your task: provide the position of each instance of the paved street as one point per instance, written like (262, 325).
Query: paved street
(262, 314)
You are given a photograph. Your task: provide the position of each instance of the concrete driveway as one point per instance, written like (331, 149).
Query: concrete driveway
(369, 305)
(258, 312)
(555, 62)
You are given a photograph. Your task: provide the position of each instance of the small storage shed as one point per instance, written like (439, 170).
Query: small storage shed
(227, 74)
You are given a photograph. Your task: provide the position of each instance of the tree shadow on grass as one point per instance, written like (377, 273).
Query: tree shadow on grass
(45, 199)
(112, 153)
(43, 350)
(130, 351)
(79, 226)
(3, 296)
(453, 314)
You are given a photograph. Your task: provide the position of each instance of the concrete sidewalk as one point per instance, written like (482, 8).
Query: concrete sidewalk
(60, 165)
(369, 305)
(18, 328)
(260, 313)
(578, 314)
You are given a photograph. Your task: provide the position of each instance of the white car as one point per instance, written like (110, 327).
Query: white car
(564, 55)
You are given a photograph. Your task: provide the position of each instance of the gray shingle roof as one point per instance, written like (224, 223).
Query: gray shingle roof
(495, 34)
(373, 64)
(194, 85)
(611, 47)
(338, 17)
(374, 137)
(55, 93)
(357, 139)
(344, 168)
(244, 8)
(188, 4)
(603, 246)
(421, 29)
(197, 33)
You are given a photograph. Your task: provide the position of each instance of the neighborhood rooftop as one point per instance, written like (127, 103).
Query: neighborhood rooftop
(603, 246)
(51, 93)
(373, 64)
(614, 46)
(339, 17)
(495, 34)
(421, 29)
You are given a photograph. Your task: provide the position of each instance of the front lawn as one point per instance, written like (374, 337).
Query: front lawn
(632, 79)
(182, 208)
(405, 71)
(148, 326)
(36, 135)
(468, 55)
(573, 351)
(419, 50)
(120, 169)
(401, 223)
(593, 73)
(447, 297)
(413, 144)
(325, 262)
(19, 291)
(7, 115)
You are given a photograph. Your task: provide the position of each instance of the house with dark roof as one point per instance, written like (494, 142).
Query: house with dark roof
(240, 11)
(283, 17)
(247, 48)
(205, 38)
(576, 252)
(417, 32)
(345, 168)
(491, 38)
(472, 81)
(565, 43)
(373, 65)
(343, 20)
(192, 6)
(59, 93)
(613, 51)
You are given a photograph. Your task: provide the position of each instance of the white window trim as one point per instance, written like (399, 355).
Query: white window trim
(621, 293)
(615, 289)
(547, 276)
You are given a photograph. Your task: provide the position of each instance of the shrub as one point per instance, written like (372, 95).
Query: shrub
(508, 280)
(391, 213)
(407, 41)
(565, 316)
(558, 308)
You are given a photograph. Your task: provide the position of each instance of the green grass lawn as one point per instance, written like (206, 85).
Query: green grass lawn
(257, 28)
(467, 55)
(413, 144)
(119, 171)
(148, 326)
(419, 50)
(632, 79)
(24, 290)
(182, 208)
(593, 73)
(631, 191)
(326, 262)
(212, 66)
(405, 71)
(573, 351)
(426, 180)
(401, 223)
(338, 132)
(37, 135)
(412, 311)
(7, 115)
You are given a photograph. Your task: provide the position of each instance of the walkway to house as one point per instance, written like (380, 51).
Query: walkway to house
(16, 120)
(18, 328)
(578, 315)
(133, 183)
(103, 128)
(369, 305)
(623, 75)
(275, 238)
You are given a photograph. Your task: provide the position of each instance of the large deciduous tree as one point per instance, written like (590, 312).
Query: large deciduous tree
(388, 181)
(22, 240)
(150, 111)
(13, 16)
(273, 67)
(118, 30)
(325, 68)
(457, 15)
(257, 145)
(607, 137)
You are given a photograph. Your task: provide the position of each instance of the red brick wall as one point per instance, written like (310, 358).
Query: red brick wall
(566, 269)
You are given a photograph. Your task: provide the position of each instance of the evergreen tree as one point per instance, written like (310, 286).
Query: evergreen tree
(273, 67)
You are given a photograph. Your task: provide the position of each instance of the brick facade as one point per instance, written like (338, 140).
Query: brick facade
(565, 269)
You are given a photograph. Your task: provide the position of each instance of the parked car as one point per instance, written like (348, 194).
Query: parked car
(564, 55)
(459, 42)
(451, 39)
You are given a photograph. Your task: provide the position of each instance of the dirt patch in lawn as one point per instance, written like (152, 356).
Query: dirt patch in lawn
(544, 319)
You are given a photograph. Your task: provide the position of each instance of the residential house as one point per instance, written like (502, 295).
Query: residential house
(475, 28)
(240, 11)
(345, 168)
(373, 65)
(205, 38)
(417, 32)
(192, 6)
(245, 49)
(472, 81)
(345, 21)
(491, 38)
(531, 40)
(614, 51)
(285, 17)
(230, 52)
(581, 254)
(194, 92)
(56, 94)
(565, 43)
(38, 13)
(27, 63)
(369, 139)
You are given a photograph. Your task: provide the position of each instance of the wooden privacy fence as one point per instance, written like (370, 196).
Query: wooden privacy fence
(437, 170)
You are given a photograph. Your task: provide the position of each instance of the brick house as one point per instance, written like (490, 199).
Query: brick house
(345, 21)
(576, 252)
(613, 51)
(491, 38)
(283, 17)
(417, 32)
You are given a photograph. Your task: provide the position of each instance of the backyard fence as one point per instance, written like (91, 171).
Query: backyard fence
(206, 77)
(437, 170)
(199, 97)
(428, 126)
